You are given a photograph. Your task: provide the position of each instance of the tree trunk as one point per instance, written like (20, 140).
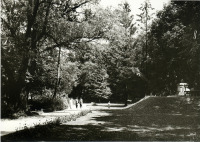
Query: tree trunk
(15, 87)
(58, 74)
(20, 86)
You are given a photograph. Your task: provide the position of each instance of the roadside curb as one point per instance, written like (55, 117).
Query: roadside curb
(146, 97)
(106, 108)
(43, 119)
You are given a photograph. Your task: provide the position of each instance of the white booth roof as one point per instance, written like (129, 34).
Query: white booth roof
(182, 84)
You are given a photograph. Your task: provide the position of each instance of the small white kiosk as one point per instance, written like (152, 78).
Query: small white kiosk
(182, 89)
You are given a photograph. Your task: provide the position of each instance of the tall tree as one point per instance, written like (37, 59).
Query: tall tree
(27, 27)
(173, 50)
(120, 57)
(145, 18)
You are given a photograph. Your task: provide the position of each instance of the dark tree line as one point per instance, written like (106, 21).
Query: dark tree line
(76, 48)
(174, 48)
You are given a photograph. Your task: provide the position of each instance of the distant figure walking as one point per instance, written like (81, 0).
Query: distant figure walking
(109, 104)
(70, 103)
(81, 102)
(76, 102)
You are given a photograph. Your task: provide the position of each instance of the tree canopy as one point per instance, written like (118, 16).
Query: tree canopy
(173, 53)
(79, 49)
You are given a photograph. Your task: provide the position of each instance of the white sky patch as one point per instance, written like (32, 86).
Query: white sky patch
(135, 4)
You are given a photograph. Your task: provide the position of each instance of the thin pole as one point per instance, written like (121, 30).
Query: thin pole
(146, 47)
(146, 38)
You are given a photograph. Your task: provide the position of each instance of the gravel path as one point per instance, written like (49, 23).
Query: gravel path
(10, 126)
(88, 119)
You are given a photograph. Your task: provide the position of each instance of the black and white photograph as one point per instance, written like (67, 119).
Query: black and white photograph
(100, 70)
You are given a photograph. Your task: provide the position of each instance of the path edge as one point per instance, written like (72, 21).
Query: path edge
(146, 97)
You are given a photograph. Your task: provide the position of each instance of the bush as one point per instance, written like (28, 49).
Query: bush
(8, 111)
(48, 104)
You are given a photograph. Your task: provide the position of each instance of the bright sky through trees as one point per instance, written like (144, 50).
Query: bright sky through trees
(135, 4)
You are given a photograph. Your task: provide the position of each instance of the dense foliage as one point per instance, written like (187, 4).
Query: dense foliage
(33, 35)
(62, 48)
(174, 48)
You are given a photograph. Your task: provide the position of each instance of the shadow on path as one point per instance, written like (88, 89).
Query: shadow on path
(156, 118)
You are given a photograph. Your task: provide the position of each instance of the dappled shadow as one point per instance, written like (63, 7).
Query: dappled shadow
(153, 119)
(72, 133)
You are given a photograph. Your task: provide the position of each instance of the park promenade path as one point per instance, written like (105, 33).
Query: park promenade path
(152, 119)
(11, 125)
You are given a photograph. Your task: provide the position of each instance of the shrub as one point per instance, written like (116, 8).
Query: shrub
(6, 110)
(48, 104)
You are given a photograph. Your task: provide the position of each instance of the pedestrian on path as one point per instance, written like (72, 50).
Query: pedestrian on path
(70, 103)
(109, 104)
(76, 102)
(81, 102)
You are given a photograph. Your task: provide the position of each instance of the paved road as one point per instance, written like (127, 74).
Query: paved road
(156, 118)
